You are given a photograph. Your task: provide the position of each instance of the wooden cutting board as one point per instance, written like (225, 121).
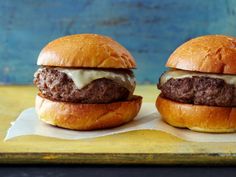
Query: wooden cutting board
(136, 147)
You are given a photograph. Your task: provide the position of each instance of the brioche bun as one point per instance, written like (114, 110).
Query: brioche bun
(205, 54)
(197, 117)
(209, 54)
(86, 50)
(78, 116)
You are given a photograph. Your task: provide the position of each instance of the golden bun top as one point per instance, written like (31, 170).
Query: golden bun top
(210, 54)
(86, 50)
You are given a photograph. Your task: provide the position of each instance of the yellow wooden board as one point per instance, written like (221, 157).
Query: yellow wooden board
(136, 147)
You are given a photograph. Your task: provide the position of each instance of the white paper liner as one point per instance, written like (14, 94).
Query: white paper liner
(148, 119)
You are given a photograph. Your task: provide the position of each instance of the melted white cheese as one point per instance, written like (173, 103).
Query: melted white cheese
(177, 74)
(82, 77)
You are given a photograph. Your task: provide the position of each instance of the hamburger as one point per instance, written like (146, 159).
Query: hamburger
(86, 82)
(199, 90)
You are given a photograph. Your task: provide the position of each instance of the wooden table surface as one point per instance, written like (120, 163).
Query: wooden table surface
(136, 147)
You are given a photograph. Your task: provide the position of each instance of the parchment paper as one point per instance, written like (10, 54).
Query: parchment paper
(27, 123)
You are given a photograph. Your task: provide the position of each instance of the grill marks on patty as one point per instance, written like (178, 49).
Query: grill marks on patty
(56, 85)
(199, 90)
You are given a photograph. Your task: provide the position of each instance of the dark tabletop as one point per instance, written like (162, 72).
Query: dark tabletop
(115, 171)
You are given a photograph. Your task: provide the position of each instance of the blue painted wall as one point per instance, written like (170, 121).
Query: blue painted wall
(150, 29)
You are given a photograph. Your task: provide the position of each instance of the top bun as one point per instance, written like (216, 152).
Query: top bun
(86, 50)
(210, 54)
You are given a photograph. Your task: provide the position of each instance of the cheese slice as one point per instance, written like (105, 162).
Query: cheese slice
(82, 77)
(178, 74)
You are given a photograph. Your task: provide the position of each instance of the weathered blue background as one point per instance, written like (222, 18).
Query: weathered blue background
(150, 29)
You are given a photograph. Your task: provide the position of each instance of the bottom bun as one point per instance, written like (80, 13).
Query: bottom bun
(197, 117)
(78, 116)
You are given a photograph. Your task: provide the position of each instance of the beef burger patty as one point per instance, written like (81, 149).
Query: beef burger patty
(56, 85)
(199, 90)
